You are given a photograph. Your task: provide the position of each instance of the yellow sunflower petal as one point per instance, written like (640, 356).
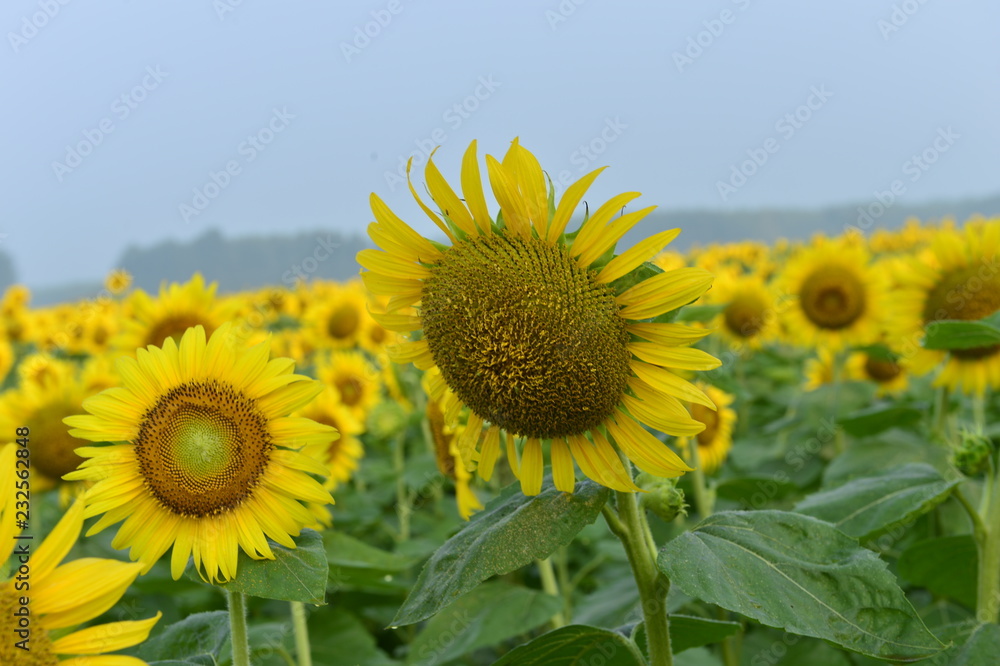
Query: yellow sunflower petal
(531, 467)
(106, 637)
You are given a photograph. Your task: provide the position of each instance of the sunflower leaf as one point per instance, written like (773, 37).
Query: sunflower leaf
(959, 334)
(197, 639)
(293, 575)
(575, 644)
(802, 575)
(868, 506)
(946, 566)
(512, 531)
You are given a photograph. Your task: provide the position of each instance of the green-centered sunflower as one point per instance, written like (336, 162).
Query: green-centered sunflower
(835, 297)
(63, 595)
(957, 278)
(210, 461)
(543, 335)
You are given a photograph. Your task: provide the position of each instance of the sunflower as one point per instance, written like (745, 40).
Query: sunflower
(542, 335)
(341, 456)
(63, 595)
(150, 321)
(836, 297)
(888, 374)
(50, 390)
(340, 318)
(6, 359)
(209, 461)
(749, 317)
(716, 440)
(118, 280)
(821, 370)
(958, 277)
(357, 382)
(449, 461)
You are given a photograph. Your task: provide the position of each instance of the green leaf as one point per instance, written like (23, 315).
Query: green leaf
(293, 575)
(511, 532)
(891, 450)
(353, 562)
(197, 639)
(701, 313)
(575, 645)
(688, 631)
(802, 575)
(754, 491)
(338, 638)
(959, 334)
(946, 566)
(981, 648)
(867, 506)
(879, 418)
(490, 614)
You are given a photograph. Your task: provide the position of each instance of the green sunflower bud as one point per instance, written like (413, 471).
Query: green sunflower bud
(663, 498)
(971, 455)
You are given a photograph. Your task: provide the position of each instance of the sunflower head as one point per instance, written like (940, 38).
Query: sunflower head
(546, 337)
(209, 460)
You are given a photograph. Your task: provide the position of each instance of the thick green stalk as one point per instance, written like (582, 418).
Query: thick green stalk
(238, 628)
(302, 651)
(631, 528)
(704, 499)
(988, 545)
(403, 505)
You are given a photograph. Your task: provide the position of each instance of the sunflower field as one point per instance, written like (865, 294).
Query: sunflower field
(514, 444)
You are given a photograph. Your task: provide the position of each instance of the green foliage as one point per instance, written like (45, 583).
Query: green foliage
(512, 531)
(573, 645)
(945, 565)
(800, 574)
(298, 574)
(959, 334)
(867, 506)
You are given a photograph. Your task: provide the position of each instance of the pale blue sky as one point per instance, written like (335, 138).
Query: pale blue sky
(332, 121)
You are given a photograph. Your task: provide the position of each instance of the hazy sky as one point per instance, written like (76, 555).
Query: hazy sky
(116, 114)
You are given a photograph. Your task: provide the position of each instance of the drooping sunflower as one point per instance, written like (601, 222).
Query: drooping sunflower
(543, 335)
(63, 595)
(716, 440)
(209, 459)
(750, 316)
(835, 297)
(449, 460)
(958, 277)
(150, 321)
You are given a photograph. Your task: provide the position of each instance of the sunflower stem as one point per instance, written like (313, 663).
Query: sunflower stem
(988, 545)
(302, 651)
(941, 413)
(979, 413)
(238, 627)
(704, 498)
(548, 576)
(403, 507)
(631, 527)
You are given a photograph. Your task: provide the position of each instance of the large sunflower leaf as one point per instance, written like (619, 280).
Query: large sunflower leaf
(946, 566)
(197, 639)
(293, 575)
(802, 575)
(574, 645)
(490, 614)
(511, 532)
(959, 334)
(867, 506)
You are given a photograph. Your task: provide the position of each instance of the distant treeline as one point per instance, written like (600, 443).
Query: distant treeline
(701, 227)
(247, 262)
